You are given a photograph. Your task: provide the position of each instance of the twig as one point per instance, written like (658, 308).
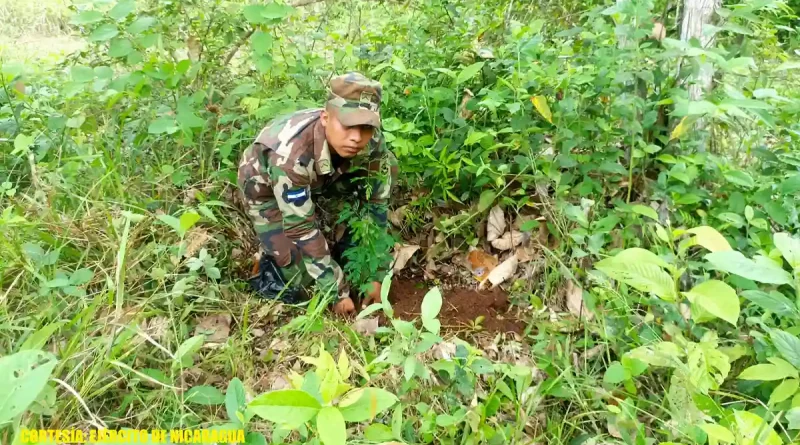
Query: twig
(235, 49)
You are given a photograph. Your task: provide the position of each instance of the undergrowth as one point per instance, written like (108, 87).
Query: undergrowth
(660, 285)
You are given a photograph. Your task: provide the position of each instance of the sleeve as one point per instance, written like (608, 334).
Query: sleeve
(293, 193)
(383, 172)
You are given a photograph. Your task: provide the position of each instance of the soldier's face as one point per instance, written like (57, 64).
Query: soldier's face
(347, 141)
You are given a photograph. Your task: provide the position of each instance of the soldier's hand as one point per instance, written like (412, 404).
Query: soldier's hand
(344, 306)
(374, 294)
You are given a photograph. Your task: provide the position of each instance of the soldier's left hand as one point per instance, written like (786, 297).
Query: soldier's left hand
(374, 295)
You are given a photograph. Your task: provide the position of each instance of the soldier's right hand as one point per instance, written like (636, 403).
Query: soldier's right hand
(344, 306)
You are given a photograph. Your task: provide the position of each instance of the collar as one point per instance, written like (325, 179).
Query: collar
(322, 153)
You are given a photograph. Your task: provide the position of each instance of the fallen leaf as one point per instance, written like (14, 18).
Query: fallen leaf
(279, 345)
(155, 327)
(444, 350)
(217, 327)
(525, 253)
(403, 253)
(480, 263)
(366, 326)
(510, 240)
(574, 296)
(340, 229)
(196, 239)
(258, 333)
(501, 273)
(685, 311)
(397, 216)
(496, 224)
(430, 270)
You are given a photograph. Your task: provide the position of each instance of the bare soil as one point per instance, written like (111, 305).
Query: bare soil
(460, 307)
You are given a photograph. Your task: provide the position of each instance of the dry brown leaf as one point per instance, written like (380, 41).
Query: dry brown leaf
(510, 240)
(525, 253)
(403, 253)
(217, 327)
(496, 224)
(397, 216)
(480, 263)
(366, 326)
(501, 273)
(258, 333)
(430, 270)
(196, 239)
(155, 327)
(444, 350)
(574, 296)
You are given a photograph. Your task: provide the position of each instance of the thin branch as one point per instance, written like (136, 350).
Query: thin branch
(235, 49)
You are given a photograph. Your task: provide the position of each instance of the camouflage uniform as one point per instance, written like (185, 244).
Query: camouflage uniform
(290, 163)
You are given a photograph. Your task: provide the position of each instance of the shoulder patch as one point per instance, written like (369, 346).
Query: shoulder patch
(296, 196)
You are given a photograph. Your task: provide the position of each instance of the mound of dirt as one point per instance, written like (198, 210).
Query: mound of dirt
(460, 307)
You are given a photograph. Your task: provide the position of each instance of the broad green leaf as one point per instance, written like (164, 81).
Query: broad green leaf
(86, 17)
(645, 277)
(717, 298)
(718, 433)
(789, 247)
(204, 395)
(783, 391)
(81, 74)
(469, 72)
(784, 366)
(171, 221)
(701, 107)
(773, 301)
(188, 347)
(256, 438)
(378, 432)
(763, 271)
(734, 219)
(540, 102)
(482, 366)
(409, 367)
(163, 125)
(765, 372)
(289, 408)
(427, 340)
(645, 211)
(486, 200)
(188, 219)
(754, 430)
(616, 373)
(235, 398)
(330, 425)
(104, 33)
(739, 177)
(24, 375)
(122, 9)
(663, 353)
(253, 14)
(120, 47)
(39, 339)
(141, 24)
(710, 238)
(276, 11)
(22, 143)
(397, 422)
(432, 303)
(639, 255)
(787, 66)
(364, 404)
(190, 120)
(261, 42)
(474, 137)
(81, 276)
(788, 345)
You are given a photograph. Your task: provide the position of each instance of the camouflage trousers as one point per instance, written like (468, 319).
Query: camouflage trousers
(329, 201)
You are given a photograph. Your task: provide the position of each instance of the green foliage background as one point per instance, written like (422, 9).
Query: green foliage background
(675, 218)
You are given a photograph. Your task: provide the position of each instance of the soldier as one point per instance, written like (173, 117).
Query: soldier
(300, 157)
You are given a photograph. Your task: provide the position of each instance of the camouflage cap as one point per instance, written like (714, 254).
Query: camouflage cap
(356, 99)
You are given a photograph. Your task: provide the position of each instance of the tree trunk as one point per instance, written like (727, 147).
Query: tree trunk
(696, 14)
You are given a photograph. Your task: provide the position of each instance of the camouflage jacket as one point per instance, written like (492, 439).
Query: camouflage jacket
(289, 162)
